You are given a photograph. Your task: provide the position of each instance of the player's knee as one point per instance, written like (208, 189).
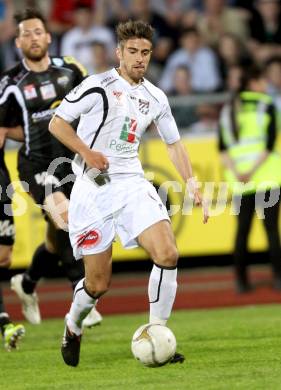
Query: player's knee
(97, 287)
(168, 257)
(5, 262)
(5, 256)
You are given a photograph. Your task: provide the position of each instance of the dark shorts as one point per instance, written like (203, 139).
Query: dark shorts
(7, 226)
(37, 180)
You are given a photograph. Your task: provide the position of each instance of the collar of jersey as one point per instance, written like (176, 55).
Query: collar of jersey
(28, 68)
(125, 82)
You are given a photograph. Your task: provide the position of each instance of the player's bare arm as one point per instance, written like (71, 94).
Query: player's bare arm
(180, 159)
(14, 133)
(65, 133)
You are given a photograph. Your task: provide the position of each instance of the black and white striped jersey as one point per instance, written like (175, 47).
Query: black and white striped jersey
(30, 98)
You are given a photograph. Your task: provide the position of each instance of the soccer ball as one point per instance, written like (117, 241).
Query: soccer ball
(153, 345)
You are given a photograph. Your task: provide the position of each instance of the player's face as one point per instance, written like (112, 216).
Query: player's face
(134, 58)
(33, 39)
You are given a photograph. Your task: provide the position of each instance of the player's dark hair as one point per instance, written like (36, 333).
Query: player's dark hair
(134, 29)
(29, 13)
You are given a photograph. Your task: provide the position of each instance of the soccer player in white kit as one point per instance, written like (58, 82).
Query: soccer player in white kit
(111, 196)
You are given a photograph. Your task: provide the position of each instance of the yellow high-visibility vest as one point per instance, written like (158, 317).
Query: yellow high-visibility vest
(252, 121)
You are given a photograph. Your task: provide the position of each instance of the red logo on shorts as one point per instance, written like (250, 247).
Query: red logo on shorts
(89, 239)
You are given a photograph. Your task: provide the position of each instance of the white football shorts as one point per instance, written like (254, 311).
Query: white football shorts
(123, 207)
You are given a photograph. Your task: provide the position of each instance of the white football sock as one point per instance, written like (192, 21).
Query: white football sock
(82, 304)
(162, 288)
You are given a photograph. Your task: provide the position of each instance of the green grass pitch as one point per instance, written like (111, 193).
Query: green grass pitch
(237, 348)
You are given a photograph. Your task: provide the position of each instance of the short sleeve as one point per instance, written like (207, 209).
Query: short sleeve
(166, 124)
(10, 110)
(77, 102)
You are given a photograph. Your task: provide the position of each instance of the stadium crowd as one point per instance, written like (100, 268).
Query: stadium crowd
(201, 46)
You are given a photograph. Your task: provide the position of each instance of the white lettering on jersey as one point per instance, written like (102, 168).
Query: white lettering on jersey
(43, 178)
(7, 229)
(42, 115)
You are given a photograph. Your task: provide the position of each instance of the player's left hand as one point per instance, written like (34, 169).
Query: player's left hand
(199, 201)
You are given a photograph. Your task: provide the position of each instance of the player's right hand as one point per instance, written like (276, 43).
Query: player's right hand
(95, 160)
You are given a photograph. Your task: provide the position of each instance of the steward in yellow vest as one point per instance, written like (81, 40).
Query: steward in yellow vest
(247, 144)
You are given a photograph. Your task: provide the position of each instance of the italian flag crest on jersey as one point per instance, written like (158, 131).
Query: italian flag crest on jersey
(128, 132)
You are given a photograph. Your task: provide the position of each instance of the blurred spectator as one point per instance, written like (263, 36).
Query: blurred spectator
(7, 29)
(234, 78)
(218, 19)
(265, 26)
(208, 115)
(182, 82)
(170, 9)
(185, 115)
(231, 52)
(62, 14)
(77, 41)
(108, 12)
(273, 77)
(201, 61)
(142, 9)
(101, 61)
(7, 33)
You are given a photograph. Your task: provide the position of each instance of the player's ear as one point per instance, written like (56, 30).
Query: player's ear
(17, 43)
(118, 52)
(49, 38)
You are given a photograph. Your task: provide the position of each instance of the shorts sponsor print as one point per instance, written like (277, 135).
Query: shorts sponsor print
(89, 239)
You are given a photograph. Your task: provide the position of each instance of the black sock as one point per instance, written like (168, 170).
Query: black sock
(41, 262)
(4, 317)
(74, 270)
(2, 307)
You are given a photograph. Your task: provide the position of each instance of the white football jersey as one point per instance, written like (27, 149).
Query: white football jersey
(113, 117)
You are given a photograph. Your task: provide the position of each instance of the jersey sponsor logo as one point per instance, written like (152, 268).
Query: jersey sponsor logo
(89, 239)
(30, 91)
(7, 229)
(42, 115)
(58, 61)
(63, 80)
(122, 146)
(43, 178)
(128, 132)
(119, 97)
(107, 79)
(3, 84)
(144, 106)
(48, 91)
